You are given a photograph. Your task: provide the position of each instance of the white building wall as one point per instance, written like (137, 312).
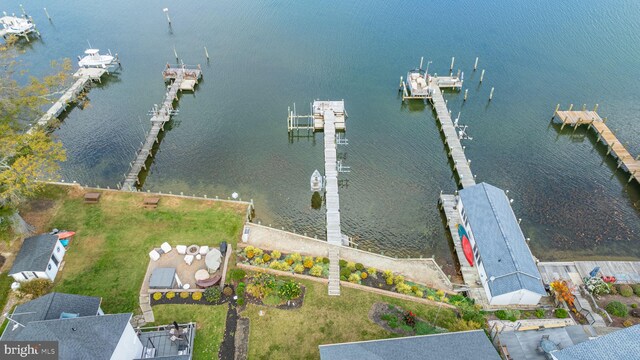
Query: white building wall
(520, 297)
(129, 347)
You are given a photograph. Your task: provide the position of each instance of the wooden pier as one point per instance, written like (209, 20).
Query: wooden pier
(605, 135)
(470, 275)
(181, 78)
(460, 162)
(83, 77)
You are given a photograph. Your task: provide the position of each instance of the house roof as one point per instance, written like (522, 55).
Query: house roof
(90, 337)
(504, 253)
(50, 307)
(465, 345)
(524, 344)
(34, 254)
(620, 345)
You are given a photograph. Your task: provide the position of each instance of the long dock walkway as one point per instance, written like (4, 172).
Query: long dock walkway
(460, 162)
(606, 136)
(84, 77)
(470, 275)
(181, 78)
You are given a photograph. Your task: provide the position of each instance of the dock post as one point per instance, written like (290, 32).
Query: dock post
(491, 94)
(175, 53)
(604, 121)
(570, 107)
(400, 86)
(595, 108)
(563, 124)
(584, 107)
(556, 112)
(166, 12)
(206, 53)
(475, 65)
(421, 60)
(481, 76)
(466, 91)
(453, 59)
(47, 13)
(24, 13)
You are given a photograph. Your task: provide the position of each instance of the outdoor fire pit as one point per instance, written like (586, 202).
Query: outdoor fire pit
(193, 249)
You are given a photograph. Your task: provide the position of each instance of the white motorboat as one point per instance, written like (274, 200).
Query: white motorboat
(93, 58)
(317, 183)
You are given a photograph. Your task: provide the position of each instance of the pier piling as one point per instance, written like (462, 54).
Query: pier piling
(481, 76)
(475, 65)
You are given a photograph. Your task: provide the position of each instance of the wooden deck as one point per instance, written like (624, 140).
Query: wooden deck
(460, 162)
(181, 78)
(606, 136)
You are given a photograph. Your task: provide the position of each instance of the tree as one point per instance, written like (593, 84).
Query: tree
(25, 157)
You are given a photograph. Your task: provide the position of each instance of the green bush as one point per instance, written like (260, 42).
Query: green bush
(240, 301)
(398, 279)
(634, 306)
(316, 270)
(472, 313)
(170, 295)
(613, 290)
(184, 294)
(212, 294)
(289, 290)
(625, 290)
(237, 274)
(501, 314)
(351, 265)
(539, 313)
(345, 272)
(157, 296)
(354, 278)
(343, 278)
(296, 257)
(359, 267)
(36, 287)
(298, 269)
(636, 289)
(616, 308)
(325, 260)
(511, 315)
(561, 313)
(343, 263)
(275, 255)
(196, 296)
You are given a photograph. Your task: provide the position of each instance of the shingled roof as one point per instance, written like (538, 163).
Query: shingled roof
(620, 345)
(505, 255)
(34, 254)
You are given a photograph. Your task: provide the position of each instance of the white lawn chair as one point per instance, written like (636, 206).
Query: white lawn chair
(181, 249)
(204, 250)
(188, 259)
(165, 247)
(154, 255)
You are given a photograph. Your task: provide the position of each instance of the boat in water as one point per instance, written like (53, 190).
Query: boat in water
(12, 25)
(93, 59)
(317, 183)
(466, 244)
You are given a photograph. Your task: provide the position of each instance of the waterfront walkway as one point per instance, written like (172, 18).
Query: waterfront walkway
(605, 135)
(452, 141)
(182, 78)
(424, 271)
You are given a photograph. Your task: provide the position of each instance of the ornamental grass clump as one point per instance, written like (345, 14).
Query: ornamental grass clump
(170, 295)
(354, 278)
(275, 255)
(157, 296)
(298, 269)
(196, 296)
(184, 294)
(316, 271)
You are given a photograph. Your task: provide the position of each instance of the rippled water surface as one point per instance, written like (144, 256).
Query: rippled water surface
(265, 55)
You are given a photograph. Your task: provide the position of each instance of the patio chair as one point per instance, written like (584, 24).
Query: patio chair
(154, 255)
(204, 250)
(188, 259)
(181, 249)
(165, 247)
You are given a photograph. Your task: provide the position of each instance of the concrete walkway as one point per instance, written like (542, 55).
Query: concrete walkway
(424, 271)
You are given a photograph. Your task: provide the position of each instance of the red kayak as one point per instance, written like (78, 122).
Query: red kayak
(66, 234)
(466, 248)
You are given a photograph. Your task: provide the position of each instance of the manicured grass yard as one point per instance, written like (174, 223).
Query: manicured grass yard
(210, 325)
(296, 334)
(109, 254)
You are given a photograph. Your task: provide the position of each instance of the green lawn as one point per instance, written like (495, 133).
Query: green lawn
(109, 255)
(296, 334)
(210, 325)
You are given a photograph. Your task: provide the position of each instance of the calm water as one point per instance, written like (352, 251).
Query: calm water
(231, 134)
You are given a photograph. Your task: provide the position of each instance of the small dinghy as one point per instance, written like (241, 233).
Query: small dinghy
(316, 181)
(466, 245)
(65, 234)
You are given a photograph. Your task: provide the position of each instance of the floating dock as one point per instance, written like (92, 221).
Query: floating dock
(182, 78)
(605, 135)
(83, 77)
(461, 164)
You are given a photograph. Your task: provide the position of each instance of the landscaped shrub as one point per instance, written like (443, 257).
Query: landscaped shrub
(351, 265)
(354, 278)
(343, 278)
(325, 260)
(228, 291)
(372, 272)
(240, 301)
(280, 265)
(257, 260)
(389, 280)
(345, 272)
(157, 296)
(240, 289)
(36, 287)
(539, 313)
(472, 313)
(296, 257)
(409, 318)
(625, 290)
(237, 274)
(258, 252)
(501, 314)
(289, 290)
(563, 291)
(308, 263)
(363, 275)
(319, 260)
(440, 293)
(398, 279)
(636, 289)
(316, 270)
(289, 261)
(196, 296)
(212, 294)
(266, 257)
(616, 308)
(298, 269)
(170, 295)
(561, 313)
(249, 254)
(613, 290)
(596, 286)
(419, 293)
(359, 267)
(403, 288)
(184, 294)
(343, 263)
(627, 323)
(275, 255)
(634, 305)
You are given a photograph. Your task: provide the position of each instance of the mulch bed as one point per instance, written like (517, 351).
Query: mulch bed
(178, 300)
(380, 309)
(289, 305)
(228, 347)
(377, 282)
(617, 321)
